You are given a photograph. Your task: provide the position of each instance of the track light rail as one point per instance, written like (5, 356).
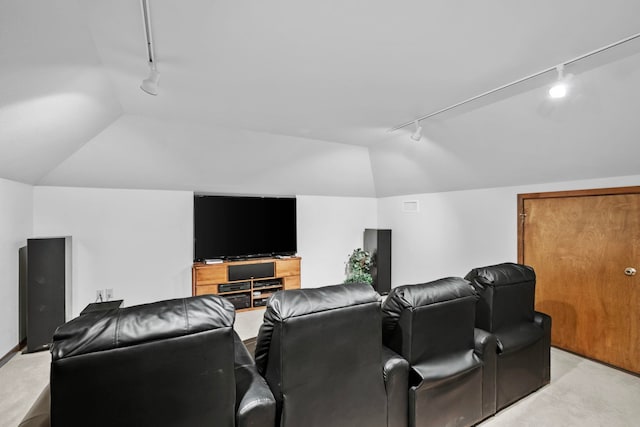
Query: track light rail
(521, 80)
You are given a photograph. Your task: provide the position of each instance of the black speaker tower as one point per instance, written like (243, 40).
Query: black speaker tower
(378, 244)
(22, 295)
(48, 289)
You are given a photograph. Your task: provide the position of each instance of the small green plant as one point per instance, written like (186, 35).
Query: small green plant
(358, 267)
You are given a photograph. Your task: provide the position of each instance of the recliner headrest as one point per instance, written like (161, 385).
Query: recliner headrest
(105, 330)
(501, 275)
(409, 299)
(440, 290)
(298, 302)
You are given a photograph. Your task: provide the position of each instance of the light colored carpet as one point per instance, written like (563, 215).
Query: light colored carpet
(21, 380)
(582, 393)
(247, 323)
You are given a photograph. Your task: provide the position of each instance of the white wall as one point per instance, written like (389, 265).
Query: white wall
(329, 229)
(16, 207)
(457, 231)
(137, 242)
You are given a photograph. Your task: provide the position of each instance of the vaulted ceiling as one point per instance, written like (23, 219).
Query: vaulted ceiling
(293, 97)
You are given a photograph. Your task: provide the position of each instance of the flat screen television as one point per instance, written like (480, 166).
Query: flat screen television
(227, 227)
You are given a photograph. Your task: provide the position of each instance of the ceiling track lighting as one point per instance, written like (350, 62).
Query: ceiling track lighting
(150, 84)
(417, 135)
(558, 68)
(560, 88)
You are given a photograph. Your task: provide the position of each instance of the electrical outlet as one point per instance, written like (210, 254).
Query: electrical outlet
(108, 294)
(99, 295)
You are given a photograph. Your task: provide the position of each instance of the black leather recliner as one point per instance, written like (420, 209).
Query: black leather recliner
(506, 309)
(169, 363)
(452, 375)
(321, 353)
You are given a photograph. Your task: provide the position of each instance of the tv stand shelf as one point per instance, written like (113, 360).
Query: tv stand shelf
(248, 283)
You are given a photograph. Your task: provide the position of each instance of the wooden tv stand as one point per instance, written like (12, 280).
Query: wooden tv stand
(249, 282)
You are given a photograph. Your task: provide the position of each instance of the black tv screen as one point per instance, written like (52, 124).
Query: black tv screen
(238, 227)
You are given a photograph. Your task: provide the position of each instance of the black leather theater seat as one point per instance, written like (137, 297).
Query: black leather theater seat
(170, 363)
(322, 355)
(452, 376)
(506, 309)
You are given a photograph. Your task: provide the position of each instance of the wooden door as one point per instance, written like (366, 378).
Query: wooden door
(580, 244)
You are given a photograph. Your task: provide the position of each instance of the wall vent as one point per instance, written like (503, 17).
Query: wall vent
(410, 206)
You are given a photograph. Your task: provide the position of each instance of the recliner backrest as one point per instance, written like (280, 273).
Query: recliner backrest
(428, 320)
(169, 363)
(507, 295)
(320, 352)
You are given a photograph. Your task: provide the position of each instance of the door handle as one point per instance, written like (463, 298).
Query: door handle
(630, 271)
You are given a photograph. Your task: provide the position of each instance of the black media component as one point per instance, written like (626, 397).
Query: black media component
(241, 227)
(48, 284)
(232, 287)
(249, 271)
(267, 283)
(260, 302)
(239, 300)
(378, 244)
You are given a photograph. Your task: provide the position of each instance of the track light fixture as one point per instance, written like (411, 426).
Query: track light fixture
(554, 92)
(417, 135)
(561, 87)
(150, 84)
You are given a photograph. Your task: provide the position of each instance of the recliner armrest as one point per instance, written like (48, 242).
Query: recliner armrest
(486, 350)
(396, 381)
(255, 404)
(544, 321)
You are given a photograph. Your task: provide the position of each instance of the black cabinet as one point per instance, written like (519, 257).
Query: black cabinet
(48, 289)
(378, 244)
(101, 306)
